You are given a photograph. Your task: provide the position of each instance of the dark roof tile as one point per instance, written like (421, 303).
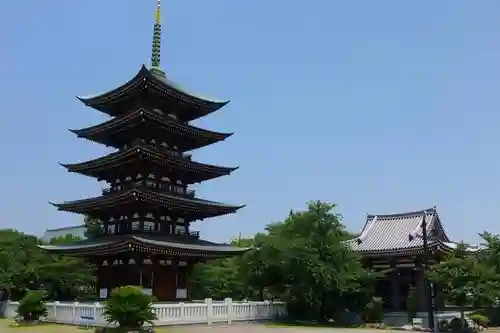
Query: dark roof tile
(394, 232)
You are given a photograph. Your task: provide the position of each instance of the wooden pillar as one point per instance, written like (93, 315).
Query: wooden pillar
(395, 290)
(422, 306)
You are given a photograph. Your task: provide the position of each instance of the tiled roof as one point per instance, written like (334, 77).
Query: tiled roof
(186, 244)
(398, 232)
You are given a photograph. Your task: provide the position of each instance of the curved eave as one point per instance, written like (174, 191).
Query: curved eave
(173, 89)
(193, 247)
(135, 243)
(101, 165)
(445, 247)
(71, 247)
(208, 208)
(100, 132)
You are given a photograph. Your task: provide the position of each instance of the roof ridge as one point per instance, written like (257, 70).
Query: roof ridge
(428, 211)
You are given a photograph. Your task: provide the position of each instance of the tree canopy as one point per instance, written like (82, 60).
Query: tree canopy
(24, 266)
(93, 227)
(302, 260)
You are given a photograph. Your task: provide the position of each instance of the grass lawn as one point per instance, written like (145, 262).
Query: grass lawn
(306, 324)
(283, 324)
(55, 328)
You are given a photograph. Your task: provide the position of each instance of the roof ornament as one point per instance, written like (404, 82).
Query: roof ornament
(156, 45)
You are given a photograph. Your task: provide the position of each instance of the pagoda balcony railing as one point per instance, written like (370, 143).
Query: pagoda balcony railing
(177, 232)
(162, 149)
(188, 193)
(175, 153)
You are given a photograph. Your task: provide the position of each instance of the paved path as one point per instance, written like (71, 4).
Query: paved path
(261, 328)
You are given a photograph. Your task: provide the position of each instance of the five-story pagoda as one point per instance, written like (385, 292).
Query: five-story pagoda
(148, 208)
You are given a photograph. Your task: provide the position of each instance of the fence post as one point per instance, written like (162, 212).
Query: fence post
(229, 304)
(182, 309)
(56, 304)
(74, 312)
(210, 310)
(94, 311)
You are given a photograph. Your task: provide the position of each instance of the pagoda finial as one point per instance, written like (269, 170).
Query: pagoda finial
(155, 54)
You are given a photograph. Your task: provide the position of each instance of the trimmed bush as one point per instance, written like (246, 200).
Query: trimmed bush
(130, 308)
(479, 319)
(32, 305)
(373, 311)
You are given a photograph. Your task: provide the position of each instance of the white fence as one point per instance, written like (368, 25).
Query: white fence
(203, 312)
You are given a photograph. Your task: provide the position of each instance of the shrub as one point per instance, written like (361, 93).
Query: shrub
(129, 307)
(479, 319)
(32, 306)
(412, 302)
(443, 325)
(373, 311)
(457, 325)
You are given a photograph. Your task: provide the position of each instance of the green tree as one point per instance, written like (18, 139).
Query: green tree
(318, 275)
(24, 266)
(465, 281)
(221, 278)
(32, 305)
(66, 239)
(93, 227)
(302, 260)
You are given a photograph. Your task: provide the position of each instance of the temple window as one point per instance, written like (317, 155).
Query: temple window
(150, 183)
(179, 229)
(149, 226)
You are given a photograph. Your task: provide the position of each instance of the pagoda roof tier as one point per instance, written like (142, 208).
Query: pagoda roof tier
(140, 158)
(401, 234)
(144, 86)
(142, 199)
(174, 246)
(149, 125)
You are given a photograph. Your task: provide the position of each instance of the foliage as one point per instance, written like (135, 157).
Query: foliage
(24, 266)
(464, 281)
(66, 239)
(129, 307)
(32, 305)
(412, 302)
(302, 260)
(479, 319)
(443, 325)
(373, 312)
(93, 227)
(457, 324)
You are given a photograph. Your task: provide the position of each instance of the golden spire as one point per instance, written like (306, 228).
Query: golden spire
(155, 53)
(158, 11)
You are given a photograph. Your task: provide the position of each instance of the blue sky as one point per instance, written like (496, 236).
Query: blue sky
(378, 106)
